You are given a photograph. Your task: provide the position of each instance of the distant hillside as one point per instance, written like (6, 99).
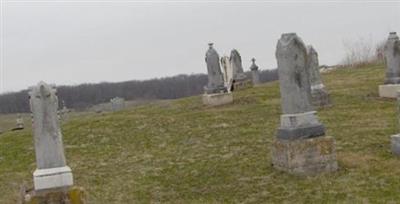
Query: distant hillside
(83, 96)
(183, 152)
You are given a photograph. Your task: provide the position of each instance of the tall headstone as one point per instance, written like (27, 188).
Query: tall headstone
(255, 74)
(239, 77)
(215, 77)
(301, 146)
(392, 62)
(227, 71)
(52, 170)
(216, 92)
(319, 95)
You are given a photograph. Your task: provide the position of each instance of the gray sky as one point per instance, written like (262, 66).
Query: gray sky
(72, 42)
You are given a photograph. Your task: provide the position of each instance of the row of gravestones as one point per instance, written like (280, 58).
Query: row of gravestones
(301, 146)
(220, 83)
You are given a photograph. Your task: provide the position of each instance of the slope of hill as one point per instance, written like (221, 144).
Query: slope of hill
(184, 152)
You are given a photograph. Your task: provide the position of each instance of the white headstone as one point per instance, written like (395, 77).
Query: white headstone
(52, 171)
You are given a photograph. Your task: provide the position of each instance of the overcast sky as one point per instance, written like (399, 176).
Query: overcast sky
(73, 42)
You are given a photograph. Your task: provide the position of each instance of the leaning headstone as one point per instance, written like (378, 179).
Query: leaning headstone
(215, 93)
(228, 72)
(240, 80)
(392, 62)
(53, 178)
(301, 146)
(255, 74)
(395, 139)
(117, 104)
(319, 95)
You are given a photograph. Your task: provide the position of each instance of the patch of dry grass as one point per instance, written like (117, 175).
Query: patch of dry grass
(184, 152)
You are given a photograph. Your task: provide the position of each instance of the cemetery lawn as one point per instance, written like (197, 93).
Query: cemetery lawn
(180, 151)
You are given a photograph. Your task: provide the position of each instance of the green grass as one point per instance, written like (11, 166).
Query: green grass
(183, 152)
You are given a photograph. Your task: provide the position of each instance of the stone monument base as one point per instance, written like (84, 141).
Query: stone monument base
(300, 125)
(389, 90)
(242, 84)
(305, 157)
(52, 178)
(217, 99)
(395, 144)
(320, 97)
(71, 195)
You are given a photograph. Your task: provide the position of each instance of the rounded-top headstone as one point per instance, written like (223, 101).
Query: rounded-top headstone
(392, 59)
(215, 77)
(294, 82)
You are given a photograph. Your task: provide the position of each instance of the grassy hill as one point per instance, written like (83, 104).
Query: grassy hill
(183, 152)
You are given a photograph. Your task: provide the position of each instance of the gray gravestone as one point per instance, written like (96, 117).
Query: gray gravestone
(392, 59)
(117, 104)
(236, 63)
(301, 146)
(227, 71)
(255, 74)
(319, 95)
(298, 119)
(52, 171)
(215, 77)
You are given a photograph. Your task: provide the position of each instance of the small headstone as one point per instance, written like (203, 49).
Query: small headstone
(239, 77)
(392, 61)
(300, 134)
(117, 104)
(63, 112)
(215, 77)
(19, 123)
(319, 95)
(227, 71)
(52, 171)
(255, 74)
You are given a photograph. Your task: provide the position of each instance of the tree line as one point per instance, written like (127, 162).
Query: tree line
(81, 97)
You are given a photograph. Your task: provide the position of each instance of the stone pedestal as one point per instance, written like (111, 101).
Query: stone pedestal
(52, 178)
(300, 125)
(305, 156)
(72, 195)
(389, 90)
(217, 99)
(319, 96)
(395, 144)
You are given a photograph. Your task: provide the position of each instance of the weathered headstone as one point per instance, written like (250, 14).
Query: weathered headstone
(301, 146)
(215, 77)
(392, 62)
(52, 170)
(255, 74)
(216, 92)
(239, 77)
(53, 182)
(319, 95)
(227, 71)
(117, 104)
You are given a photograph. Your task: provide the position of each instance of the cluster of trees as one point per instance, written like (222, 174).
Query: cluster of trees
(84, 96)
